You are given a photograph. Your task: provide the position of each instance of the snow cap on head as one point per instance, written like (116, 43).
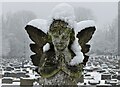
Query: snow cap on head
(64, 12)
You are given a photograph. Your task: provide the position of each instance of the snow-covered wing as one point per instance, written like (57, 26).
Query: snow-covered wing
(84, 24)
(40, 39)
(84, 37)
(40, 24)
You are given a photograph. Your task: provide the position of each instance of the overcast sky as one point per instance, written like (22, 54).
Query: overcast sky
(104, 12)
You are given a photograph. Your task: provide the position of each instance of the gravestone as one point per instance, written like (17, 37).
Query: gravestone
(26, 82)
(105, 76)
(7, 80)
(9, 74)
(20, 74)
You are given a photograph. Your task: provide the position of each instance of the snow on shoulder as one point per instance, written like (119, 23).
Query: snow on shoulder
(63, 12)
(76, 48)
(40, 24)
(84, 24)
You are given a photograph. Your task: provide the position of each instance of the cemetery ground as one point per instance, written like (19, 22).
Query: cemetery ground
(100, 71)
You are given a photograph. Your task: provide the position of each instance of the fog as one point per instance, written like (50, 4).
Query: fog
(16, 15)
(104, 12)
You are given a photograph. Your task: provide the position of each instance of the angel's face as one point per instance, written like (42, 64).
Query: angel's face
(60, 35)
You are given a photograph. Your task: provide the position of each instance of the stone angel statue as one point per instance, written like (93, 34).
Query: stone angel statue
(60, 46)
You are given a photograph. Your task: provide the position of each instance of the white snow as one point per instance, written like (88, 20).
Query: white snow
(84, 24)
(46, 47)
(77, 50)
(40, 24)
(0, 82)
(64, 12)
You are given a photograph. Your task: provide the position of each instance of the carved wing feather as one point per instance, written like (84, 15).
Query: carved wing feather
(45, 61)
(40, 39)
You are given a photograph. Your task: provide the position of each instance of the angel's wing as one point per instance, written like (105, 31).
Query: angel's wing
(87, 29)
(37, 33)
(47, 65)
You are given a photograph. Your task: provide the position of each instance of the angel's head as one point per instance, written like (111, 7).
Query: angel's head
(60, 34)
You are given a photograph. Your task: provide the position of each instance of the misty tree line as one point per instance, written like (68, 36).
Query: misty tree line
(15, 41)
(105, 40)
(14, 38)
(118, 27)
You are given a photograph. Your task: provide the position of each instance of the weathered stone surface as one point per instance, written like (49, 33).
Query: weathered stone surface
(54, 65)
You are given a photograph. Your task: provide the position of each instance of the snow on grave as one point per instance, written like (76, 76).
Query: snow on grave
(103, 85)
(9, 68)
(26, 81)
(93, 82)
(7, 80)
(32, 67)
(112, 82)
(101, 71)
(9, 74)
(119, 71)
(118, 77)
(16, 80)
(17, 67)
(105, 76)
(20, 74)
(24, 69)
(88, 78)
(1, 73)
(83, 85)
(88, 69)
(114, 76)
